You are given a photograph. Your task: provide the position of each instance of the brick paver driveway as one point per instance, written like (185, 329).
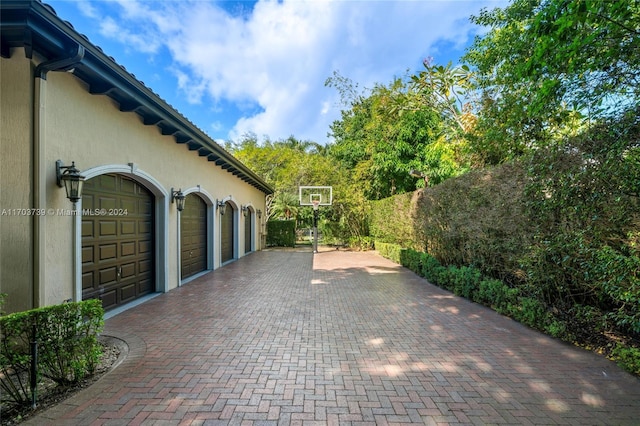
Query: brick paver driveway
(285, 337)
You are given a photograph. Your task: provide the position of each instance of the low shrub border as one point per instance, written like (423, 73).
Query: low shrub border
(66, 338)
(469, 283)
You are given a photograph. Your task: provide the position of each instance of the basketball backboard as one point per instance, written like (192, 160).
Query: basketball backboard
(318, 195)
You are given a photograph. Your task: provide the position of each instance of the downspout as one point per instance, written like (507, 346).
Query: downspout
(40, 168)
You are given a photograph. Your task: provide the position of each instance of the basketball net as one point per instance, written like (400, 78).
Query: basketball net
(316, 204)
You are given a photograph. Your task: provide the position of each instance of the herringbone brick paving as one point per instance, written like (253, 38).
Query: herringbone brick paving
(340, 338)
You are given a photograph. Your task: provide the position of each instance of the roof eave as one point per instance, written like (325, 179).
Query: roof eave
(35, 26)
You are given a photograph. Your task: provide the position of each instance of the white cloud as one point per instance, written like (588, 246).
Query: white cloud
(279, 55)
(87, 9)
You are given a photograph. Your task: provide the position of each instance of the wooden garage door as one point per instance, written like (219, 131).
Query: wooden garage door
(226, 234)
(193, 236)
(117, 240)
(248, 221)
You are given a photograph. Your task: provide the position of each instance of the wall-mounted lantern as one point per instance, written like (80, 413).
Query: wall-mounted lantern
(222, 207)
(245, 211)
(70, 178)
(259, 214)
(179, 199)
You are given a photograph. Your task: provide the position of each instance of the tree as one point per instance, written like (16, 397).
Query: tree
(547, 66)
(285, 206)
(285, 164)
(380, 141)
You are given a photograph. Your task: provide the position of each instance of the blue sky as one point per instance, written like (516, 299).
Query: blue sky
(238, 67)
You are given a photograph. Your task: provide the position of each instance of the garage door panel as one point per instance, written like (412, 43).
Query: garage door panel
(88, 202)
(128, 270)
(128, 205)
(145, 247)
(128, 292)
(87, 255)
(87, 227)
(144, 227)
(108, 252)
(127, 227)
(107, 182)
(109, 299)
(145, 287)
(108, 203)
(107, 228)
(128, 187)
(146, 207)
(145, 266)
(108, 275)
(128, 249)
(88, 280)
(117, 259)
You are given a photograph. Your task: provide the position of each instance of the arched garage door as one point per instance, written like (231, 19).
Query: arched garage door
(248, 231)
(193, 236)
(117, 242)
(227, 236)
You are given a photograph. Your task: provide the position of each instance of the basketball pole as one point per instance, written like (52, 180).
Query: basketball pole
(316, 206)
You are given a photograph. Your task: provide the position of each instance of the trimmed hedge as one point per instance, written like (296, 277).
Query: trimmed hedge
(470, 283)
(281, 233)
(68, 348)
(562, 225)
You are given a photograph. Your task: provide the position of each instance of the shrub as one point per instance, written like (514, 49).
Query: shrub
(68, 348)
(430, 268)
(497, 295)
(281, 233)
(390, 251)
(627, 357)
(465, 281)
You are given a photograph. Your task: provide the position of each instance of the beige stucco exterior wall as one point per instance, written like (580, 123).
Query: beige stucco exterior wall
(93, 132)
(16, 227)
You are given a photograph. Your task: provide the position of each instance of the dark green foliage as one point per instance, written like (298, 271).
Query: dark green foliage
(380, 143)
(583, 202)
(68, 348)
(390, 251)
(281, 233)
(627, 358)
(543, 66)
(469, 283)
(552, 240)
(399, 229)
(476, 219)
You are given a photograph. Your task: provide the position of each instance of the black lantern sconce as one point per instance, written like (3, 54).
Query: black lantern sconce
(259, 214)
(179, 199)
(70, 178)
(222, 207)
(222, 204)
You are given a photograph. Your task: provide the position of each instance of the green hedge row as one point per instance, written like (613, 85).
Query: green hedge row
(562, 225)
(281, 233)
(68, 348)
(470, 283)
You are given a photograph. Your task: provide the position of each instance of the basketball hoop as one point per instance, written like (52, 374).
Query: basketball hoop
(315, 196)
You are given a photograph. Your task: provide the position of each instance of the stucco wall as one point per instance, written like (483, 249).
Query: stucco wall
(16, 266)
(90, 130)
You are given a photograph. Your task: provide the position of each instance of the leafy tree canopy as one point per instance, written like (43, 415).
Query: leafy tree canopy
(547, 65)
(384, 135)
